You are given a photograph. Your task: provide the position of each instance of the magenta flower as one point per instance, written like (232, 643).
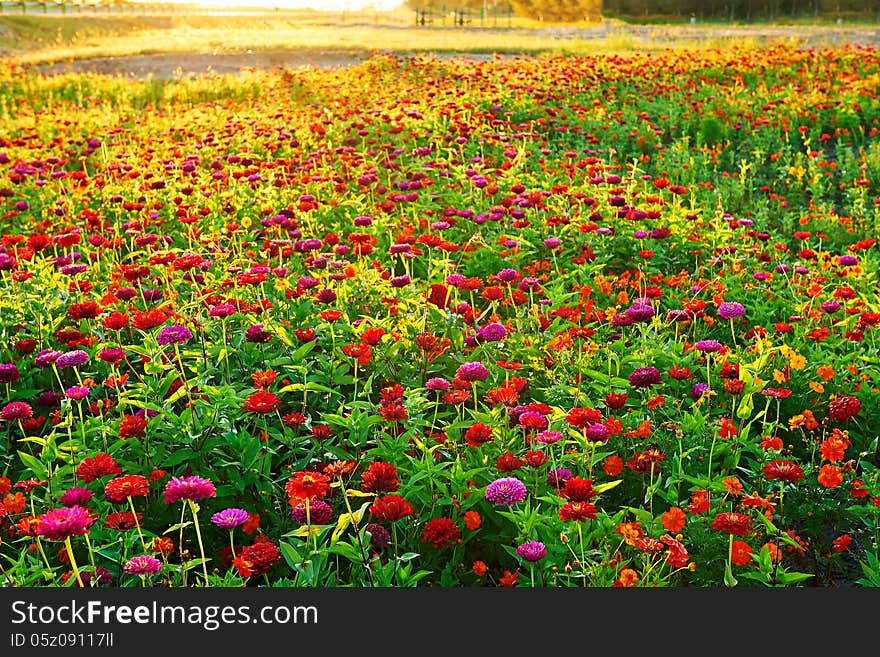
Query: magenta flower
(9, 373)
(76, 497)
(532, 551)
(72, 359)
(76, 393)
(16, 411)
(320, 513)
(708, 346)
(644, 377)
(472, 371)
(230, 518)
(507, 491)
(730, 309)
(143, 565)
(191, 488)
(175, 334)
(62, 523)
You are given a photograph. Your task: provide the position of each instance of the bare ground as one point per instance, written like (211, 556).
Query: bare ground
(177, 64)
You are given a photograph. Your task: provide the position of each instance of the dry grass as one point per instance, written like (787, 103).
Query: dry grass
(53, 39)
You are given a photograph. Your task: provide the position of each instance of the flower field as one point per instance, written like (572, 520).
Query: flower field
(599, 321)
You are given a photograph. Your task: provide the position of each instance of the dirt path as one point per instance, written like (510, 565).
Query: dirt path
(177, 64)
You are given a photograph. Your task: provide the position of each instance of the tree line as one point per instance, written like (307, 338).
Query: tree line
(572, 11)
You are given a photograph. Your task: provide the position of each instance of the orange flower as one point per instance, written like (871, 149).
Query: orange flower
(733, 485)
(509, 579)
(613, 465)
(479, 568)
(630, 531)
(741, 553)
(674, 519)
(472, 520)
(825, 372)
(775, 552)
(834, 447)
(771, 442)
(830, 476)
(627, 578)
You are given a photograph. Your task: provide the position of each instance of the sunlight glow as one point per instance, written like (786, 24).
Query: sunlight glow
(318, 5)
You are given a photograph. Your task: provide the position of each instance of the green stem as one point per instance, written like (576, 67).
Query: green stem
(73, 562)
(195, 514)
(137, 523)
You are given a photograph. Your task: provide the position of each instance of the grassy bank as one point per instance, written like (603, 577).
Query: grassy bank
(30, 39)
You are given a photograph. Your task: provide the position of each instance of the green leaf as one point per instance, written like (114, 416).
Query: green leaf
(40, 471)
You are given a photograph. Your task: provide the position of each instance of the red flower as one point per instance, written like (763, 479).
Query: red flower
(578, 511)
(262, 402)
(372, 336)
(508, 462)
(478, 434)
(441, 532)
(304, 486)
(583, 417)
(843, 408)
(257, 559)
(100, 465)
(360, 351)
(472, 520)
(132, 426)
(264, 379)
(783, 470)
(120, 489)
(738, 524)
(577, 489)
(612, 465)
(149, 319)
(380, 478)
(391, 508)
(841, 542)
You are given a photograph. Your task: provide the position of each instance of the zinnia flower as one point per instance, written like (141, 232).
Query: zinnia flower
(261, 402)
(644, 377)
(473, 371)
(191, 488)
(120, 489)
(16, 411)
(441, 532)
(143, 565)
(506, 491)
(532, 551)
(319, 513)
(391, 508)
(843, 408)
(380, 478)
(96, 467)
(71, 359)
(230, 518)
(257, 559)
(64, 522)
(708, 346)
(737, 524)
(730, 309)
(305, 485)
(175, 334)
(783, 470)
(379, 536)
(76, 497)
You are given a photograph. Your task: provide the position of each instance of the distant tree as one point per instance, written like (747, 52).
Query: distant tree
(562, 11)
